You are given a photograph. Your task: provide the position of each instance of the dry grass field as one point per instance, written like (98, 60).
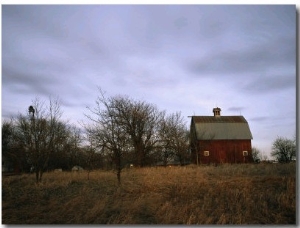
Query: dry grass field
(226, 194)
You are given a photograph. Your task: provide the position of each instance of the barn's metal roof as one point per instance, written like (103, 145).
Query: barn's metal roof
(221, 127)
(219, 119)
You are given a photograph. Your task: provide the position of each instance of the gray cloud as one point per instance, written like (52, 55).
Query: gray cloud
(235, 109)
(270, 83)
(259, 44)
(181, 57)
(253, 59)
(258, 119)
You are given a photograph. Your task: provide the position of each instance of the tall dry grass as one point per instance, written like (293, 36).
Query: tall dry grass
(227, 194)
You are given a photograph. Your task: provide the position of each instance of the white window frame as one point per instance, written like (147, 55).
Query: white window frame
(245, 153)
(206, 153)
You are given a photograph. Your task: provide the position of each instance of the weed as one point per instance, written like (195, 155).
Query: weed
(226, 194)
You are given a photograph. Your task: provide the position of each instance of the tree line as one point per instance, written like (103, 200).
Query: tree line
(283, 150)
(119, 131)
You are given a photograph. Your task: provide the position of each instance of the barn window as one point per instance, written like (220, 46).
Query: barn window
(206, 153)
(245, 153)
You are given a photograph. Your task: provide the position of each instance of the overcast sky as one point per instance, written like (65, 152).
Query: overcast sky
(180, 58)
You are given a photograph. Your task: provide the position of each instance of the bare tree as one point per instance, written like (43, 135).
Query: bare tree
(13, 158)
(92, 159)
(41, 133)
(70, 153)
(67, 149)
(284, 150)
(107, 133)
(174, 138)
(139, 120)
(165, 148)
(256, 154)
(8, 155)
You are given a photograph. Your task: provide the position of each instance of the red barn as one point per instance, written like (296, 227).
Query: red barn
(220, 139)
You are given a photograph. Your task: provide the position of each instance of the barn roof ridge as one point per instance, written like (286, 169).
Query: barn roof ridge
(219, 119)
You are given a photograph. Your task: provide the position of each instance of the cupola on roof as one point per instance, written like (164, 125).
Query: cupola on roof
(217, 111)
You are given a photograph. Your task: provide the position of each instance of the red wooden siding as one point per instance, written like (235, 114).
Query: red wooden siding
(222, 151)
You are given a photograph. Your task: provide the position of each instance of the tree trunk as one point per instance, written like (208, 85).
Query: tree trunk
(38, 175)
(119, 175)
(119, 169)
(41, 174)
